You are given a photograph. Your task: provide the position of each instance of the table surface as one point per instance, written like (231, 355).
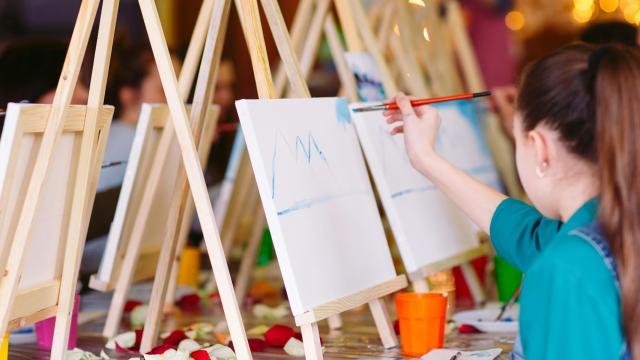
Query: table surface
(356, 340)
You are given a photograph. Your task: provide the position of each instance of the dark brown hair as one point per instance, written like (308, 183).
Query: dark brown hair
(589, 95)
(617, 112)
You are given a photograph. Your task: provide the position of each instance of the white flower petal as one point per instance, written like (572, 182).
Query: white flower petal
(221, 352)
(294, 347)
(138, 316)
(189, 346)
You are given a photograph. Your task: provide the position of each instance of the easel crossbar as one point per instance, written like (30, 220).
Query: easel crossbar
(351, 301)
(449, 262)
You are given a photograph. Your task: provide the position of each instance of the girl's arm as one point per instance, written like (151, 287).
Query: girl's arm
(420, 126)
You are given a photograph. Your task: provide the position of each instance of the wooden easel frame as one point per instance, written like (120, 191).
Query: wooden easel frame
(40, 301)
(185, 82)
(85, 180)
(153, 118)
(255, 40)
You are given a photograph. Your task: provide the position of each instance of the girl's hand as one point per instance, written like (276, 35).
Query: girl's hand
(420, 126)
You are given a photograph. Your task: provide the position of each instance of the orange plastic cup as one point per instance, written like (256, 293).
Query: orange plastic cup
(422, 320)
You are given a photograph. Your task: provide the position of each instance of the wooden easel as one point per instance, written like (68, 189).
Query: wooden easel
(308, 322)
(43, 262)
(253, 32)
(186, 79)
(85, 181)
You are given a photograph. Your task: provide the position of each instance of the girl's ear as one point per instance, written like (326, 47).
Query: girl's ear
(543, 149)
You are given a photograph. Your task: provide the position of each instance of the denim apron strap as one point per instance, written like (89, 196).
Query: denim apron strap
(594, 235)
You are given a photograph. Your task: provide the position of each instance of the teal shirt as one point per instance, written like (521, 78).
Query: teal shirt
(569, 305)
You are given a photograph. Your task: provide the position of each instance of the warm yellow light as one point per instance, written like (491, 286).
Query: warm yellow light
(514, 20)
(396, 30)
(417, 2)
(625, 3)
(638, 18)
(581, 16)
(584, 5)
(425, 33)
(630, 12)
(609, 5)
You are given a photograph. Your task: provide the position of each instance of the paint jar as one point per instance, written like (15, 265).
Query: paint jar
(508, 279)
(45, 329)
(4, 348)
(189, 270)
(422, 321)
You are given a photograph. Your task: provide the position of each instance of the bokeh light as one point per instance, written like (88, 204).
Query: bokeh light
(514, 20)
(609, 5)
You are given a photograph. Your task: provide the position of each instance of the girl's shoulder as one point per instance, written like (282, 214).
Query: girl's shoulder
(575, 256)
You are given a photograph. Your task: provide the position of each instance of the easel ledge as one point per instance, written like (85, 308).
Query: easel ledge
(33, 117)
(450, 262)
(43, 297)
(351, 301)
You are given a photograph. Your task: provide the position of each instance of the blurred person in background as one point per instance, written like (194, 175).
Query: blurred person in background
(224, 97)
(133, 80)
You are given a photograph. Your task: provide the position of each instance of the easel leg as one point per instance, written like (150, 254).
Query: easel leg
(311, 340)
(162, 277)
(383, 323)
(251, 253)
(86, 179)
(196, 180)
(420, 286)
(475, 286)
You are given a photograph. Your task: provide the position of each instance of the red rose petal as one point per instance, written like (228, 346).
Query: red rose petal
(189, 302)
(130, 305)
(136, 345)
(160, 349)
(278, 335)
(200, 355)
(120, 349)
(468, 329)
(255, 345)
(174, 338)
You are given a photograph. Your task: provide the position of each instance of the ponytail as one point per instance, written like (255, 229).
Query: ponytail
(615, 81)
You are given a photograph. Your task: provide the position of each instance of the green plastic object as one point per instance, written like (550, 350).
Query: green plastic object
(265, 255)
(508, 279)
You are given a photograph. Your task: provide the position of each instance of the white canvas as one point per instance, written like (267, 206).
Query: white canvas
(427, 226)
(368, 80)
(317, 197)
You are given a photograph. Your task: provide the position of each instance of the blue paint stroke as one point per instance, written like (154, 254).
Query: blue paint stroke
(479, 170)
(300, 145)
(472, 112)
(309, 203)
(342, 112)
(404, 192)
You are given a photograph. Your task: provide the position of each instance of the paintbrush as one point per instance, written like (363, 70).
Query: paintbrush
(509, 304)
(109, 164)
(420, 102)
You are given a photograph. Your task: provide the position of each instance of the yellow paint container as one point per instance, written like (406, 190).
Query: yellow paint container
(189, 271)
(4, 348)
